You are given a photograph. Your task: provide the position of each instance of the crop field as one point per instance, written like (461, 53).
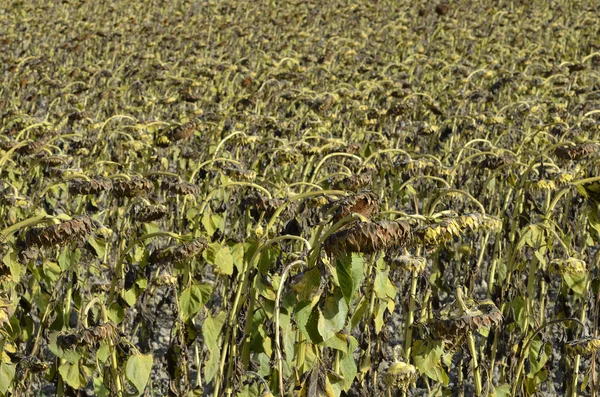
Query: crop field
(300, 198)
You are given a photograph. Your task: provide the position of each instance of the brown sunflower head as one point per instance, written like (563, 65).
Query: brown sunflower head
(142, 212)
(240, 174)
(365, 204)
(180, 187)
(368, 237)
(583, 346)
(76, 229)
(409, 263)
(494, 161)
(400, 375)
(179, 253)
(183, 131)
(464, 315)
(93, 336)
(576, 152)
(92, 187)
(133, 187)
(353, 183)
(258, 203)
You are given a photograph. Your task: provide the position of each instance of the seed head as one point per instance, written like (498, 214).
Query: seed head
(180, 187)
(76, 229)
(368, 237)
(91, 187)
(134, 187)
(148, 212)
(179, 253)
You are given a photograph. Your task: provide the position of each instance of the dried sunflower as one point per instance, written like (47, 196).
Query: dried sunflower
(267, 205)
(148, 212)
(576, 152)
(365, 204)
(183, 131)
(92, 187)
(133, 187)
(353, 182)
(583, 346)
(492, 162)
(409, 263)
(568, 266)
(179, 253)
(463, 315)
(400, 375)
(76, 229)
(180, 187)
(447, 229)
(368, 237)
(245, 175)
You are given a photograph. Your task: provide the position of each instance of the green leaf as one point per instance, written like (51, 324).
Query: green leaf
(67, 256)
(438, 374)
(268, 257)
(193, 298)
(138, 370)
(98, 245)
(539, 354)
(116, 313)
(224, 261)
(335, 311)
(307, 318)
(519, 307)
(383, 287)
(237, 252)
(13, 264)
(379, 313)
(71, 375)
(359, 312)
(338, 342)
(7, 374)
(51, 270)
(103, 352)
(349, 269)
(427, 355)
(576, 282)
(348, 370)
(501, 391)
(211, 330)
(210, 222)
(99, 389)
(306, 285)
